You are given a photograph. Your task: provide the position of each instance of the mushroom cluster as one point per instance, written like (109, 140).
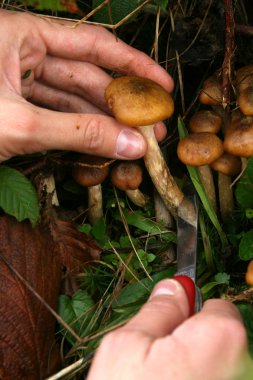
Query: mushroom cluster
(215, 143)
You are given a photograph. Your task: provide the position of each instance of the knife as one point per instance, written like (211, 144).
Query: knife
(187, 231)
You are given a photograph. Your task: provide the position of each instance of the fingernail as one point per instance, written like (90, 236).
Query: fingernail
(130, 144)
(166, 288)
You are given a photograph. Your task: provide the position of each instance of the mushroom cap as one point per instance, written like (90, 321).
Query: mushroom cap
(211, 92)
(239, 137)
(199, 149)
(227, 164)
(249, 273)
(90, 170)
(205, 121)
(245, 101)
(244, 77)
(126, 175)
(137, 101)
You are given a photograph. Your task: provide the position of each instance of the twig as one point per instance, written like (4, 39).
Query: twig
(228, 63)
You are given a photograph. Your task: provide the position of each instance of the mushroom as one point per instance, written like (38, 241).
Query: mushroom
(90, 172)
(127, 176)
(244, 77)
(211, 93)
(238, 139)
(140, 102)
(245, 100)
(205, 121)
(200, 149)
(227, 165)
(249, 274)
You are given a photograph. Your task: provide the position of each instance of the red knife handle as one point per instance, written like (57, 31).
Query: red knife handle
(189, 288)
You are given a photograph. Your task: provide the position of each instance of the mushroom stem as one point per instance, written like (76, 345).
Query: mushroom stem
(206, 177)
(162, 214)
(49, 184)
(159, 171)
(95, 203)
(226, 199)
(137, 197)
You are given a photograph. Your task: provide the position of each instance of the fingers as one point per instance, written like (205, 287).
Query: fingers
(167, 308)
(79, 78)
(55, 99)
(100, 47)
(32, 129)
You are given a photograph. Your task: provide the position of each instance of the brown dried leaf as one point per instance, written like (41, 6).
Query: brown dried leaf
(27, 328)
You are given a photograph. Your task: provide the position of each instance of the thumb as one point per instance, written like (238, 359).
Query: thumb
(166, 308)
(93, 134)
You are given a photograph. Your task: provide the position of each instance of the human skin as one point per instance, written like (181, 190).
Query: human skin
(162, 343)
(67, 74)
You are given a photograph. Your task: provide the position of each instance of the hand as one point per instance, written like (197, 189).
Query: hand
(161, 343)
(59, 67)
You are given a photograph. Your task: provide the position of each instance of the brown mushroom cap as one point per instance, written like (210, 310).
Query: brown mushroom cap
(205, 121)
(249, 274)
(138, 101)
(239, 137)
(245, 101)
(90, 170)
(211, 92)
(199, 149)
(227, 164)
(244, 77)
(126, 175)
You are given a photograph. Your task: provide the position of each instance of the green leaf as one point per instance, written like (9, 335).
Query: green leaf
(244, 187)
(246, 246)
(139, 220)
(161, 3)
(119, 10)
(76, 312)
(195, 178)
(246, 311)
(18, 196)
(139, 291)
(222, 278)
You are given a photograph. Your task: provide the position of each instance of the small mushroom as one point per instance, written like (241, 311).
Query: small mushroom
(127, 176)
(227, 166)
(249, 274)
(238, 139)
(244, 77)
(90, 172)
(200, 149)
(205, 121)
(140, 102)
(245, 100)
(211, 93)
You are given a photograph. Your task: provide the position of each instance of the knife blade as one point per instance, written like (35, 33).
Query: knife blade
(187, 237)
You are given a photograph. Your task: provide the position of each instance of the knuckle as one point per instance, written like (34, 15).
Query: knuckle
(93, 134)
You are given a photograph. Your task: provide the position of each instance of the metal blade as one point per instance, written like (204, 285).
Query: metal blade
(187, 238)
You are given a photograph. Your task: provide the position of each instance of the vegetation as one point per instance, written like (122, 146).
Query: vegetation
(190, 39)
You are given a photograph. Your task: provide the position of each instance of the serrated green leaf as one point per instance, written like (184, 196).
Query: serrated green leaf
(75, 311)
(119, 9)
(244, 187)
(195, 178)
(18, 196)
(246, 246)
